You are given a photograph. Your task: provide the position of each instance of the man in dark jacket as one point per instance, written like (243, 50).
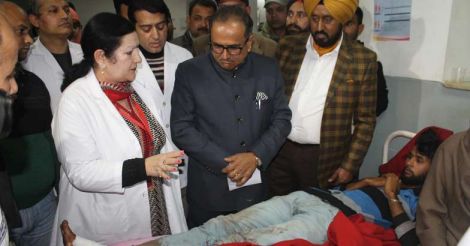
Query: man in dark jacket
(352, 29)
(197, 21)
(230, 115)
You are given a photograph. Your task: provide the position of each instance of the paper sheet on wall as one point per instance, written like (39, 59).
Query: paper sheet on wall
(392, 20)
(255, 179)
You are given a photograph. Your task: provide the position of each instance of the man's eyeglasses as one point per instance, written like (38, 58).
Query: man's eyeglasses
(233, 50)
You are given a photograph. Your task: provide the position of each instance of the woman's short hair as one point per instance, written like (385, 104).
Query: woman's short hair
(104, 31)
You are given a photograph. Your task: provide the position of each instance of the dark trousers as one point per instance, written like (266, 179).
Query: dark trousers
(294, 168)
(199, 215)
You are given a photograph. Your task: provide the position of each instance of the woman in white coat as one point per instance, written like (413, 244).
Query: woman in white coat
(119, 178)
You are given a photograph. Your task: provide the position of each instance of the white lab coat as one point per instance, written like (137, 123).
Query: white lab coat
(92, 141)
(173, 55)
(41, 62)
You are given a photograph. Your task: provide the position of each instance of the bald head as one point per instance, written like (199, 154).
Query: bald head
(8, 57)
(18, 19)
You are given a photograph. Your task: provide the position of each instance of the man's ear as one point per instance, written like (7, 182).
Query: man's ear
(248, 9)
(188, 19)
(250, 42)
(360, 28)
(34, 20)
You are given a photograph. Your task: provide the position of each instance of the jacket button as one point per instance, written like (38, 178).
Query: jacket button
(167, 125)
(243, 144)
(237, 98)
(240, 120)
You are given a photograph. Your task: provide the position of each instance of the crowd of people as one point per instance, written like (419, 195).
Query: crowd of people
(120, 134)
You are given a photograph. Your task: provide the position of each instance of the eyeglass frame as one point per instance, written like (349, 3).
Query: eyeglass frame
(237, 49)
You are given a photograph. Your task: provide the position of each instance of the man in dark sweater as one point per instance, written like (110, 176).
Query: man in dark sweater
(28, 154)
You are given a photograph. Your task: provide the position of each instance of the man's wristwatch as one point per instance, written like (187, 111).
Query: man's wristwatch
(258, 161)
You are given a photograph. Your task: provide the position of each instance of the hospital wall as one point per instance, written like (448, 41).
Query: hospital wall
(416, 70)
(413, 105)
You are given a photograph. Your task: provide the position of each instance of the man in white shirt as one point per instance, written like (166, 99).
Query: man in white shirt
(159, 60)
(52, 55)
(332, 85)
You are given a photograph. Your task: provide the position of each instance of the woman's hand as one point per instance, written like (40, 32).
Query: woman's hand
(162, 164)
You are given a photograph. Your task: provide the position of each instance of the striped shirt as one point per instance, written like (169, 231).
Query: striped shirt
(156, 63)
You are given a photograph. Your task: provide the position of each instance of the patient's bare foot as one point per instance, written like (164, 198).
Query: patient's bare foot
(67, 234)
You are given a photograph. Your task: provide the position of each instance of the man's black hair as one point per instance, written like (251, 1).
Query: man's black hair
(427, 143)
(152, 6)
(233, 13)
(205, 3)
(359, 15)
(290, 3)
(247, 2)
(118, 3)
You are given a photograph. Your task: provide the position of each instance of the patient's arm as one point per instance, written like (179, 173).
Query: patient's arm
(371, 181)
(403, 226)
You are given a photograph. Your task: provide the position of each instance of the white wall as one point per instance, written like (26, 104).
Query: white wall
(440, 40)
(423, 56)
(458, 46)
(88, 8)
(413, 105)
(178, 10)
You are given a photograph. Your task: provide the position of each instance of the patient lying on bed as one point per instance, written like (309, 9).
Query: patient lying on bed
(389, 201)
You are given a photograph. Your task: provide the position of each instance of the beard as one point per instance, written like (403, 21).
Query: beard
(199, 32)
(412, 180)
(327, 41)
(294, 29)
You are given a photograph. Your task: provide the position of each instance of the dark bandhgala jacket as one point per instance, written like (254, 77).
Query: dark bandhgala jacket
(351, 101)
(216, 113)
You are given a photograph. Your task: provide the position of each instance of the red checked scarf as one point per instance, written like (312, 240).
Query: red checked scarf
(151, 137)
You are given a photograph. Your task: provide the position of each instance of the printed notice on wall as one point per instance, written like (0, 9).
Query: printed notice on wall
(392, 20)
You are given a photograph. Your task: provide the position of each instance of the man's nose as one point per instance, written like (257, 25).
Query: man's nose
(63, 13)
(225, 54)
(13, 87)
(154, 33)
(410, 162)
(320, 25)
(28, 40)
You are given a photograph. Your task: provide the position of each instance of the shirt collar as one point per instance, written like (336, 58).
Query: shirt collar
(312, 51)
